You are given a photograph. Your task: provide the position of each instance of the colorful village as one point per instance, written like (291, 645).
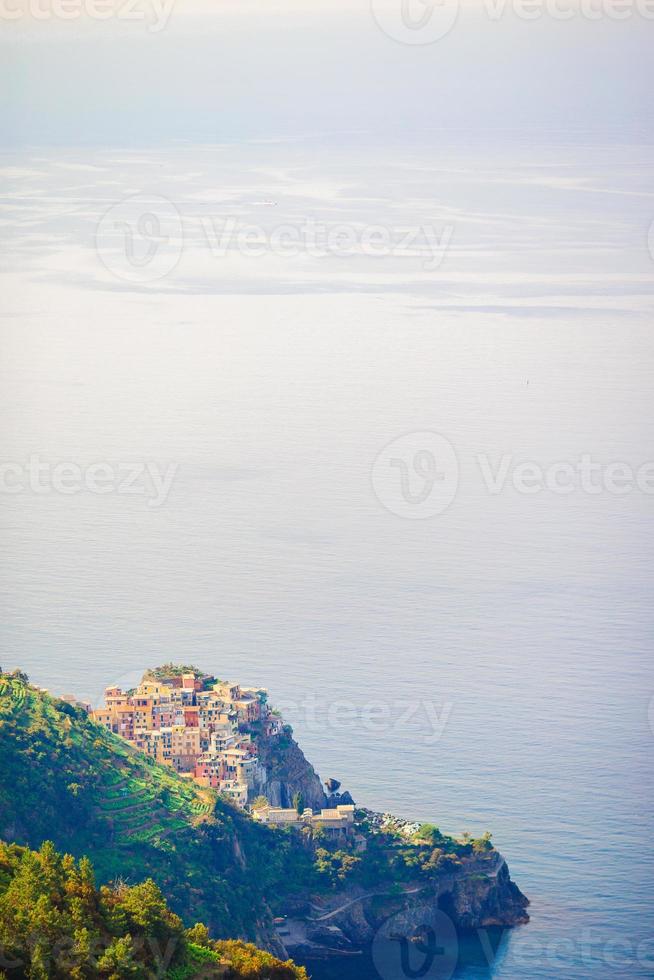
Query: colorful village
(207, 730)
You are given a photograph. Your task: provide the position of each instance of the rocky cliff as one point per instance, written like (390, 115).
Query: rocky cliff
(483, 896)
(288, 772)
(479, 895)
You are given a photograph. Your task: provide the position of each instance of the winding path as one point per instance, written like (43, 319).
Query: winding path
(361, 898)
(409, 891)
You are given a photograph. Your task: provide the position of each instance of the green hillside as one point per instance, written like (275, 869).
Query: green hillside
(55, 923)
(71, 781)
(66, 779)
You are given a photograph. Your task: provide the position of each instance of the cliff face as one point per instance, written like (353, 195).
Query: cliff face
(288, 772)
(484, 898)
(478, 896)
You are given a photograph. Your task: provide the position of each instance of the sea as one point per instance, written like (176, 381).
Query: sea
(371, 429)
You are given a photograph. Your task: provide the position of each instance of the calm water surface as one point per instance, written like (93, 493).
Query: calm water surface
(486, 668)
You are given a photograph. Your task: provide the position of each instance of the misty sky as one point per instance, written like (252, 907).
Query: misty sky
(253, 70)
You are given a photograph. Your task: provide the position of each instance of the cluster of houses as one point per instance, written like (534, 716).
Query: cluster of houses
(335, 822)
(205, 729)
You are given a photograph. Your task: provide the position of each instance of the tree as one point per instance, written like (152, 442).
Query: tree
(430, 834)
(81, 954)
(298, 802)
(39, 961)
(146, 910)
(260, 803)
(117, 961)
(199, 935)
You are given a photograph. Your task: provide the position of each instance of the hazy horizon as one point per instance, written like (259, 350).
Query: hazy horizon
(341, 71)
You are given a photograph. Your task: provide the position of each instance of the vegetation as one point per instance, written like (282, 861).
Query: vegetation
(55, 923)
(246, 961)
(337, 866)
(426, 854)
(69, 780)
(171, 670)
(72, 781)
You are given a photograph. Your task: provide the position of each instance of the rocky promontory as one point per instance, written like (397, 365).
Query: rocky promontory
(303, 872)
(478, 895)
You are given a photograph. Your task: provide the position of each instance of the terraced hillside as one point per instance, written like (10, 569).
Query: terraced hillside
(69, 780)
(132, 799)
